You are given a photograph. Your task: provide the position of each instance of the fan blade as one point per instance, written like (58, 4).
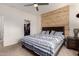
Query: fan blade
(28, 5)
(43, 3)
(37, 9)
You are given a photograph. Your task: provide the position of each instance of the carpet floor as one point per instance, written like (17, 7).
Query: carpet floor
(17, 50)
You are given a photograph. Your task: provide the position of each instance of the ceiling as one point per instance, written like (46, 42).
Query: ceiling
(31, 9)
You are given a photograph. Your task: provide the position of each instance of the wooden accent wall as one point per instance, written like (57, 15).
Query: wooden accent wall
(56, 18)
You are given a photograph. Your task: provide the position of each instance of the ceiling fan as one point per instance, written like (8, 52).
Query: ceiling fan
(36, 5)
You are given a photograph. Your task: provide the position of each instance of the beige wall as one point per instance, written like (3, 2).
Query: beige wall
(59, 17)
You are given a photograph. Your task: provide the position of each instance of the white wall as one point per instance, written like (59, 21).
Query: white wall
(73, 20)
(38, 22)
(14, 24)
(1, 27)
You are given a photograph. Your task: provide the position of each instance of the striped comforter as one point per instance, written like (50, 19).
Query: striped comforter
(44, 43)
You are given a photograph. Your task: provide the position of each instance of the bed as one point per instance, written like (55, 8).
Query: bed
(45, 44)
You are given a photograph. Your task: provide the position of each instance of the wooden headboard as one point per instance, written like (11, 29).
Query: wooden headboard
(59, 29)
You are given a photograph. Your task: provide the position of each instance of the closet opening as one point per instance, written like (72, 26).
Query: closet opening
(26, 27)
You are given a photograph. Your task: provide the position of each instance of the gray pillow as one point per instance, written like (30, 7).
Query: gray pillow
(43, 32)
(58, 33)
(52, 32)
(47, 33)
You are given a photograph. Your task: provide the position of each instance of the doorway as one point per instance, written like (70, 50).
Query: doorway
(26, 27)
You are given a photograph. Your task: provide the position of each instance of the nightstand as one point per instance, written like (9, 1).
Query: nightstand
(77, 46)
(72, 43)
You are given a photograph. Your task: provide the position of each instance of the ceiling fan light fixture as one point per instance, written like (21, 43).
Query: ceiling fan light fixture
(35, 5)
